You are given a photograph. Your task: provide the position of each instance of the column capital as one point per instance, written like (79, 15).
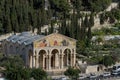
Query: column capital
(61, 56)
(47, 56)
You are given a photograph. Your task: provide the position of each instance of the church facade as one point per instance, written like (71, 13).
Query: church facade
(54, 52)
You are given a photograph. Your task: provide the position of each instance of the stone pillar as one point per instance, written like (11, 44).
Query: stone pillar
(55, 60)
(31, 60)
(43, 64)
(74, 59)
(37, 62)
(71, 60)
(49, 60)
(61, 57)
(34, 61)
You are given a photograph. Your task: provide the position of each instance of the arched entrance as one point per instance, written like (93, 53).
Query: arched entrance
(42, 59)
(30, 55)
(67, 57)
(55, 59)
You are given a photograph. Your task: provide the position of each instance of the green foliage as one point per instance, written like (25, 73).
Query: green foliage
(102, 18)
(117, 25)
(99, 5)
(91, 20)
(107, 31)
(1, 28)
(116, 13)
(12, 61)
(108, 60)
(86, 21)
(60, 5)
(14, 67)
(77, 4)
(80, 46)
(39, 74)
(72, 73)
(20, 16)
(26, 73)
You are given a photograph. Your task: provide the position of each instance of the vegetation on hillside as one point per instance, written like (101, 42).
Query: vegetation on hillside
(15, 69)
(18, 16)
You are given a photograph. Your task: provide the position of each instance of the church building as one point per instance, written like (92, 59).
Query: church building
(53, 53)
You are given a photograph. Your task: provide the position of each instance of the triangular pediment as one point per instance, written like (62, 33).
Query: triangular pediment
(54, 39)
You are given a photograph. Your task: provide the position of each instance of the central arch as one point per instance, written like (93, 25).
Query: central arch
(67, 57)
(55, 59)
(42, 59)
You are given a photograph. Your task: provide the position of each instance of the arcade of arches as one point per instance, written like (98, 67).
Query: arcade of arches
(52, 58)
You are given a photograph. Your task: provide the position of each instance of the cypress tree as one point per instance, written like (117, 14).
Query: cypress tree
(51, 30)
(91, 20)
(83, 31)
(46, 33)
(89, 36)
(1, 28)
(8, 26)
(86, 21)
(26, 18)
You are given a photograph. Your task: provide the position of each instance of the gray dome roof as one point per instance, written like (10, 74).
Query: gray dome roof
(24, 38)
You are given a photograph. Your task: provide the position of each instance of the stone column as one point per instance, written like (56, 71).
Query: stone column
(49, 60)
(55, 60)
(71, 60)
(37, 62)
(31, 60)
(74, 59)
(43, 64)
(34, 61)
(61, 61)
(67, 59)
